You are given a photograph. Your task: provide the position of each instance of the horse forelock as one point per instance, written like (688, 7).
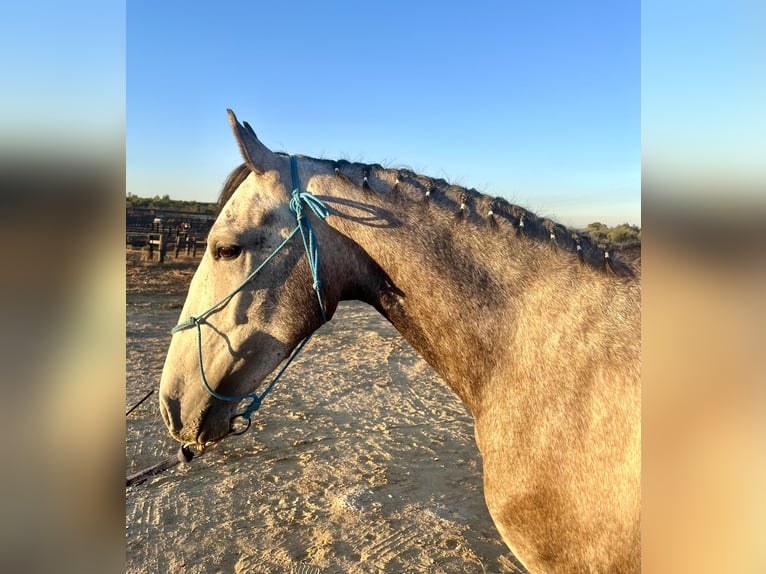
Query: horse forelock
(233, 181)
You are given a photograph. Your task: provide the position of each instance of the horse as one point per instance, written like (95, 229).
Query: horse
(534, 326)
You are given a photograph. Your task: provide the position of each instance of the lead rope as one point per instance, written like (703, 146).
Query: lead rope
(298, 200)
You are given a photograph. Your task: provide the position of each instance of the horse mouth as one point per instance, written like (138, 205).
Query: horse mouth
(201, 443)
(199, 446)
(210, 432)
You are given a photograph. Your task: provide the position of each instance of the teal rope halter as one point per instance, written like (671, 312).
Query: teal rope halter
(298, 201)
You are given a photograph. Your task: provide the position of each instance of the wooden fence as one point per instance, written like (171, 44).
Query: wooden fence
(156, 245)
(167, 233)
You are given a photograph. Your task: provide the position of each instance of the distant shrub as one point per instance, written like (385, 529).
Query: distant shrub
(619, 234)
(597, 231)
(624, 232)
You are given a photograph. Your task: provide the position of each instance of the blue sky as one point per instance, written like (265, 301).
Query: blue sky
(538, 102)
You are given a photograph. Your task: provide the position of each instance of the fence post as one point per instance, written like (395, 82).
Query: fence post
(163, 248)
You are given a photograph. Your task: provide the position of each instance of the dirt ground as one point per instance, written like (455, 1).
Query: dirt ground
(360, 460)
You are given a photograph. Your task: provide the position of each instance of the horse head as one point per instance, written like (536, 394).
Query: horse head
(238, 324)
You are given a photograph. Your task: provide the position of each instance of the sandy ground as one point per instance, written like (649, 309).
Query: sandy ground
(360, 460)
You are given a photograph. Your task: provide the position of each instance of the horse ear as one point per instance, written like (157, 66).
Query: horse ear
(257, 156)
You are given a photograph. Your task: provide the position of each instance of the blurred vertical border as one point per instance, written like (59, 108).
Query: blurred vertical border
(704, 286)
(62, 289)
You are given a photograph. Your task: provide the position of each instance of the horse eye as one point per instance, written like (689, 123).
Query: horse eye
(228, 251)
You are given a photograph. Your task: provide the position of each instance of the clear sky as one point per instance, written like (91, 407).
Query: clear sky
(535, 101)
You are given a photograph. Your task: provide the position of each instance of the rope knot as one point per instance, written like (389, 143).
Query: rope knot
(254, 405)
(188, 324)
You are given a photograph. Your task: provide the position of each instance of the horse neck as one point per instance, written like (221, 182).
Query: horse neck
(452, 285)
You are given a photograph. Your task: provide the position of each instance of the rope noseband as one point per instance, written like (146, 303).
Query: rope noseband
(298, 201)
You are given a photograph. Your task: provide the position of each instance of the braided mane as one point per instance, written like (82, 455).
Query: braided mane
(470, 205)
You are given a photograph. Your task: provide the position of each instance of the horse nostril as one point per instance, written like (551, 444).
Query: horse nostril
(170, 409)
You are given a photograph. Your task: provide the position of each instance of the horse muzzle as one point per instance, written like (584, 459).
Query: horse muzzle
(198, 426)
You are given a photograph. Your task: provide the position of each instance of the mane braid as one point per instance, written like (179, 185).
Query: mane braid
(366, 180)
(550, 227)
(395, 191)
(491, 221)
(578, 246)
(341, 175)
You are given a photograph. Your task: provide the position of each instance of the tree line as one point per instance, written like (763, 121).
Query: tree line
(164, 202)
